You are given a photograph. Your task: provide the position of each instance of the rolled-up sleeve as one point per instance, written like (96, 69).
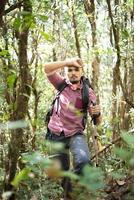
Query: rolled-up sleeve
(55, 79)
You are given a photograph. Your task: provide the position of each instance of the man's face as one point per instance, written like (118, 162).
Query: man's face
(74, 74)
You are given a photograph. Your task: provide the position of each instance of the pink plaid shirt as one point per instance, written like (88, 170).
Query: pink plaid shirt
(68, 116)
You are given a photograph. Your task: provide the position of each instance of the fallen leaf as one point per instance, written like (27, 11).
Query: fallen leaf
(120, 182)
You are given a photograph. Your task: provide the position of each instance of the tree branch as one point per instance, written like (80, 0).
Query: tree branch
(116, 38)
(107, 147)
(13, 7)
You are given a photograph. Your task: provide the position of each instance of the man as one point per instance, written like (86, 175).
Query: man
(66, 123)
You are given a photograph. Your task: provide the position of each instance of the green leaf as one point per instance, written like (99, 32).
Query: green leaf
(131, 162)
(46, 36)
(43, 18)
(70, 175)
(14, 124)
(117, 175)
(130, 3)
(109, 133)
(54, 146)
(17, 124)
(23, 175)
(122, 153)
(37, 158)
(11, 79)
(92, 178)
(4, 53)
(125, 34)
(17, 23)
(24, 21)
(129, 139)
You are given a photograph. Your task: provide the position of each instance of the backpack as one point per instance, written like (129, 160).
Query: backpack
(85, 99)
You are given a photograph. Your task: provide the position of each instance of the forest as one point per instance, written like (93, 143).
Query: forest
(101, 33)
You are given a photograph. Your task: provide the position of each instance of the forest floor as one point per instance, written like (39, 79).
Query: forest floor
(115, 190)
(121, 190)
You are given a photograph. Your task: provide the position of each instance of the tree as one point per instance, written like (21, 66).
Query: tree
(21, 97)
(90, 11)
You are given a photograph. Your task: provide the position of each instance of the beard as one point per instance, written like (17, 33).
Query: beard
(74, 81)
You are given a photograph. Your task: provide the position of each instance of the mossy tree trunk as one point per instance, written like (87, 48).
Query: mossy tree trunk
(23, 90)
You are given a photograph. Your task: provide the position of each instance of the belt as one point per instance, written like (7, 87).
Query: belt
(57, 133)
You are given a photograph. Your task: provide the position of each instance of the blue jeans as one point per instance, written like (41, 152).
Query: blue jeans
(77, 146)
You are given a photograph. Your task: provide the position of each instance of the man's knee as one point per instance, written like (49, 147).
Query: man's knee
(81, 157)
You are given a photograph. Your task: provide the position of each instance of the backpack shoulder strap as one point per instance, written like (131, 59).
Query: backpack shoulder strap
(85, 97)
(85, 92)
(62, 86)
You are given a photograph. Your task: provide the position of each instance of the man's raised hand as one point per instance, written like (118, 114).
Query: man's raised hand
(75, 62)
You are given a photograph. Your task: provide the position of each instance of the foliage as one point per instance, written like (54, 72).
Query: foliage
(51, 30)
(126, 153)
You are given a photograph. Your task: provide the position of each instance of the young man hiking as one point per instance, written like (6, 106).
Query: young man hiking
(66, 120)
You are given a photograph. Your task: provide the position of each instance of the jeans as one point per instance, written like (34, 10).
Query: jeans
(80, 152)
(78, 148)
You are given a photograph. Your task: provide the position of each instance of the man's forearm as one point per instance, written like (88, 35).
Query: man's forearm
(53, 66)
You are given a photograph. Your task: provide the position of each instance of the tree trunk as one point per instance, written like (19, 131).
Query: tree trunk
(90, 11)
(34, 117)
(127, 84)
(54, 30)
(116, 71)
(16, 144)
(127, 90)
(2, 9)
(131, 69)
(75, 32)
